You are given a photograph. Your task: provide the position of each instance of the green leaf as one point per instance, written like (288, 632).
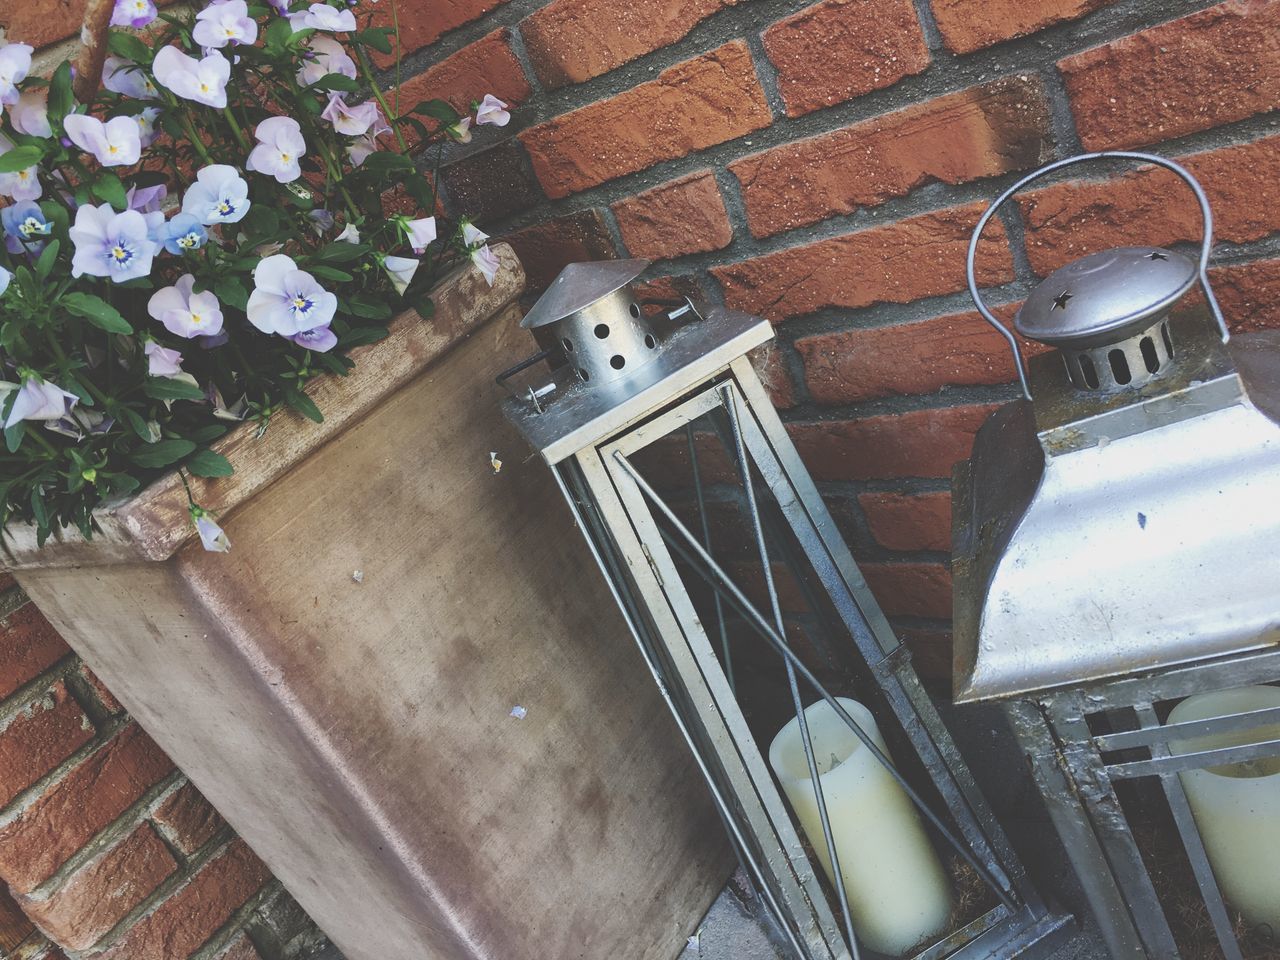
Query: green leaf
(330, 273)
(206, 463)
(167, 388)
(277, 35)
(207, 434)
(128, 46)
(358, 336)
(13, 436)
(96, 310)
(377, 37)
(162, 453)
(303, 404)
(341, 252)
(231, 292)
(136, 423)
(366, 307)
(440, 110)
(336, 81)
(19, 158)
(386, 161)
(61, 99)
(44, 266)
(108, 187)
(39, 510)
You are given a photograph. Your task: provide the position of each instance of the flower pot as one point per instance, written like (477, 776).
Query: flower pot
(357, 729)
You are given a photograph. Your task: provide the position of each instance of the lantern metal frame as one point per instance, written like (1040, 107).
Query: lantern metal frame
(588, 438)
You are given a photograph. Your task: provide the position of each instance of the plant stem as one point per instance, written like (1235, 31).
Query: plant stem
(392, 118)
(235, 129)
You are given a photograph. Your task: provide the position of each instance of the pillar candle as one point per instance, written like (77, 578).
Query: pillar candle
(1237, 806)
(898, 894)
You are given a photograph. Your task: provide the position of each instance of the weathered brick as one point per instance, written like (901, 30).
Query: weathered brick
(923, 443)
(771, 367)
(570, 41)
(931, 653)
(910, 589)
(28, 647)
(667, 288)
(901, 521)
(1249, 294)
(546, 248)
(491, 184)
(1200, 71)
(836, 50)
(188, 819)
(241, 948)
(1152, 206)
(99, 895)
(676, 218)
(44, 22)
(181, 924)
(70, 812)
(983, 131)
(105, 696)
(922, 256)
(968, 25)
(487, 66)
(39, 738)
(422, 24)
(690, 106)
(908, 358)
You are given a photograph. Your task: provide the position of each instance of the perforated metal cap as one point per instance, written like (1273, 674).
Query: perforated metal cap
(1105, 297)
(578, 286)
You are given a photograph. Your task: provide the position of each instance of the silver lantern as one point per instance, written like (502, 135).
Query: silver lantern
(720, 553)
(1115, 539)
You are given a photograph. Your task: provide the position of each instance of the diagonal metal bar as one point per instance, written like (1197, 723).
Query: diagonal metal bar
(722, 805)
(706, 541)
(716, 574)
(748, 483)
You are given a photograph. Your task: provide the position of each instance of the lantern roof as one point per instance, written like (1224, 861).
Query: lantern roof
(578, 286)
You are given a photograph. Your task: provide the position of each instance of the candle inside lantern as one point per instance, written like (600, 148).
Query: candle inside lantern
(1237, 805)
(898, 893)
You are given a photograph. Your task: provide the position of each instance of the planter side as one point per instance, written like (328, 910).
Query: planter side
(358, 734)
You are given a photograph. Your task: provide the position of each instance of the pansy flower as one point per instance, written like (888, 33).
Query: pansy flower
(323, 56)
(280, 147)
(15, 64)
(219, 195)
(204, 81)
(25, 227)
(225, 22)
(110, 244)
(184, 313)
(321, 16)
(288, 301)
(133, 13)
(182, 234)
(127, 79)
(115, 143)
(492, 111)
(39, 399)
(353, 121)
(161, 361)
(30, 115)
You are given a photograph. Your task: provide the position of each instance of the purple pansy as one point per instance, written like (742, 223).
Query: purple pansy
(133, 13)
(280, 147)
(222, 23)
(38, 399)
(15, 64)
(25, 227)
(184, 313)
(288, 301)
(204, 81)
(110, 244)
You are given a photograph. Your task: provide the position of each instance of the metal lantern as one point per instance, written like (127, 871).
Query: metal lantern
(716, 544)
(1116, 541)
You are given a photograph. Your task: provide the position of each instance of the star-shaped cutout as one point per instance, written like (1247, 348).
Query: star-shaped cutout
(1060, 301)
(1157, 255)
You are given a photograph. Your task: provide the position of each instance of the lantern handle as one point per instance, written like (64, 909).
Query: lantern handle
(1206, 242)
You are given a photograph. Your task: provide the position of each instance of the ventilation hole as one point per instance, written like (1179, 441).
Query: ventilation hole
(602, 330)
(1073, 371)
(649, 341)
(1168, 340)
(1119, 367)
(1149, 355)
(584, 373)
(1088, 371)
(568, 345)
(635, 310)
(617, 361)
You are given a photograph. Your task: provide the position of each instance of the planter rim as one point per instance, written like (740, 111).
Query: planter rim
(153, 524)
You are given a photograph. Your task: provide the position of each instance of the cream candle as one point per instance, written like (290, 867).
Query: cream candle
(1237, 806)
(898, 893)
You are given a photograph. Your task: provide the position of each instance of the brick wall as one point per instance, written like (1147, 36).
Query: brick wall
(106, 850)
(823, 164)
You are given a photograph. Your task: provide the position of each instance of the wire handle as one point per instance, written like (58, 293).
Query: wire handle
(1206, 242)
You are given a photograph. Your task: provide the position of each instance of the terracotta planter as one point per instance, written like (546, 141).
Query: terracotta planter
(358, 734)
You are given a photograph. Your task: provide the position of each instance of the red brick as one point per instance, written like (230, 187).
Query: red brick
(70, 812)
(99, 895)
(667, 288)
(1200, 71)
(547, 248)
(923, 443)
(836, 50)
(690, 106)
(241, 949)
(969, 25)
(1249, 294)
(910, 589)
(486, 66)
(491, 184)
(931, 652)
(1152, 206)
(771, 367)
(43, 22)
(901, 521)
(680, 217)
(105, 696)
(188, 819)
(423, 23)
(39, 738)
(570, 41)
(983, 131)
(666, 465)
(181, 924)
(892, 263)
(28, 647)
(909, 358)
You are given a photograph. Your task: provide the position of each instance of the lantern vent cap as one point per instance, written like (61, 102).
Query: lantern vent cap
(1105, 297)
(578, 286)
